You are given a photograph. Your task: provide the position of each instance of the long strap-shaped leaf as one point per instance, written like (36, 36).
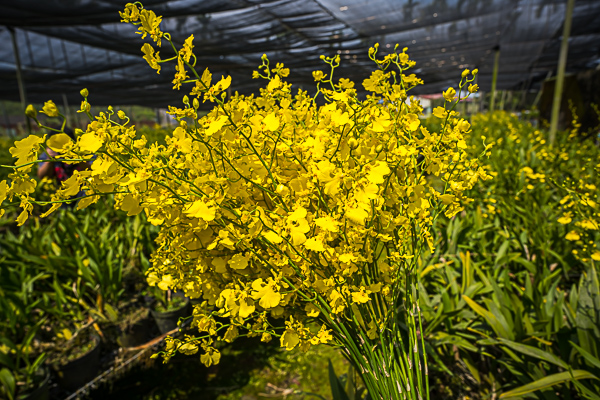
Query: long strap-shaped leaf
(490, 318)
(535, 352)
(337, 388)
(548, 381)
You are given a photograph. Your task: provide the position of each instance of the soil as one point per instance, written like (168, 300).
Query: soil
(66, 351)
(132, 315)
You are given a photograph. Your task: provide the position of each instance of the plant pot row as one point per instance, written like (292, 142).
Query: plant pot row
(76, 373)
(137, 332)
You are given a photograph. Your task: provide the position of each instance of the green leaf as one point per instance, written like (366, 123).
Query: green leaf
(36, 364)
(589, 357)
(445, 338)
(548, 381)
(337, 388)
(535, 352)
(489, 317)
(6, 360)
(350, 383)
(8, 381)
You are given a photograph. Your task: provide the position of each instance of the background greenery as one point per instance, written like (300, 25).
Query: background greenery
(511, 306)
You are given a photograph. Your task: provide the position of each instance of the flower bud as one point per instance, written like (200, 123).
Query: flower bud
(449, 94)
(465, 73)
(195, 103)
(85, 106)
(379, 148)
(352, 143)
(121, 114)
(475, 71)
(111, 109)
(84, 92)
(31, 112)
(186, 100)
(50, 109)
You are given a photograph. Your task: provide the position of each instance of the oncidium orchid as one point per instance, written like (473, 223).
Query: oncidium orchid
(286, 218)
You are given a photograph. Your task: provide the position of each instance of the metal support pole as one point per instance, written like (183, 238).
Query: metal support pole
(6, 119)
(495, 78)
(19, 75)
(502, 99)
(481, 101)
(67, 111)
(538, 96)
(560, 76)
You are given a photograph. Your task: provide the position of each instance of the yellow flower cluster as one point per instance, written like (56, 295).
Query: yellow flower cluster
(570, 165)
(272, 207)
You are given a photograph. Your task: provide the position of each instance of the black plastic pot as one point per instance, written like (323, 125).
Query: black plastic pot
(167, 321)
(80, 371)
(39, 393)
(136, 334)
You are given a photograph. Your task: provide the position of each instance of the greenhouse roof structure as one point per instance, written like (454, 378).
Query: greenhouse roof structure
(65, 45)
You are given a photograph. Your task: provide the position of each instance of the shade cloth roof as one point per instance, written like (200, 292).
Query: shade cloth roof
(66, 45)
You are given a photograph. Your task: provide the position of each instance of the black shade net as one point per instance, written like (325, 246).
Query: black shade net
(66, 45)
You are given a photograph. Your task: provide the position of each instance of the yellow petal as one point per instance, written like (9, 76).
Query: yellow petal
(22, 217)
(166, 282)
(188, 349)
(3, 191)
(289, 339)
(199, 209)
(60, 142)
(271, 122)
(273, 237)
(314, 244)
(312, 310)
(152, 279)
(327, 223)
(447, 198)
(270, 298)
(413, 122)
(378, 171)
(360, 297)
(573, 236)
(246, 308)
(216, 125)
(238, 261)
(131, 204)
(440, 112)
(89, 142)
(357, 215)
(220, 265)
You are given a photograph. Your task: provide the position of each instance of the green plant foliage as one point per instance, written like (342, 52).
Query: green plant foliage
(511, 293)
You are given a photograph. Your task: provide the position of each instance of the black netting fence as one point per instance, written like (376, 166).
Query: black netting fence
(66, 45)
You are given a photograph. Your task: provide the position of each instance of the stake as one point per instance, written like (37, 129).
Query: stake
(19, 75)
(560, 75)
(502, 99)
(538, 96)
(67, 111)
(6, 120)
(495, 78)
